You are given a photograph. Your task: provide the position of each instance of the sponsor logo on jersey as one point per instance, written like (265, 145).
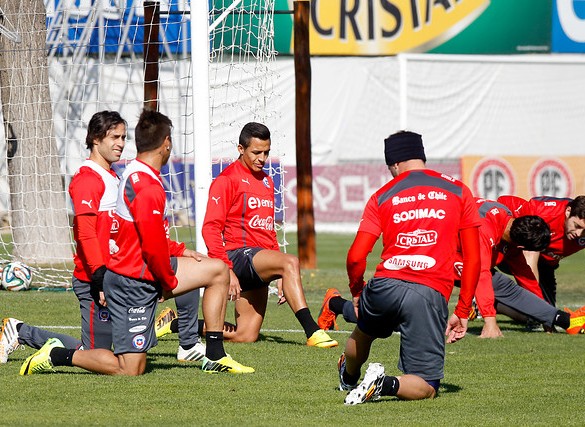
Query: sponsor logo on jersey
(422, 213)
(550, 203)
(114, 248)
(257, 202)
(458, 266)
(115, 223)
(414, 262)
(136, 329)
(246, 181)
(399, 200)
(139, 341)
(261, 223)
(85, 202)
(137, 310)
(266, 182)
(494, 211)
(216, 199)
(135, 177)
(103, 314)
(416, 238)
(437, 195)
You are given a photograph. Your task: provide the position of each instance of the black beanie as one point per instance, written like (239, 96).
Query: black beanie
(403, 146)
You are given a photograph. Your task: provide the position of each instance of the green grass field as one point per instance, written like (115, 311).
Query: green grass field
(525, 378)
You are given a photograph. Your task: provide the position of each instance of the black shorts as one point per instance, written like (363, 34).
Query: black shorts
(418, 312)
(243, 267)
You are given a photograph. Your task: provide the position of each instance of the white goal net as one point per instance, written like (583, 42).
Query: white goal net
(89, 57)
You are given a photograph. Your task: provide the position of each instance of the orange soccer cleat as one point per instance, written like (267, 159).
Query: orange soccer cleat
(327, 318)
(577, 321)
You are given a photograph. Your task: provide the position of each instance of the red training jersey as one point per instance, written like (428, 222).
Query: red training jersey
(494, 220)
(420, 214)
(552, 210)
(93, 191)
(142, 247)
(240, 212)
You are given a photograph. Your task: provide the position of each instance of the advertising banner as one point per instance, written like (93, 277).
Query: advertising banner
(568, 26)
(530, 176)
(389, 27)
(338, 27)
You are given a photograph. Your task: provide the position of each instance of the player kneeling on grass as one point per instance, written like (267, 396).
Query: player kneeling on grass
(239, 229)
(146, 266)
(422, 216)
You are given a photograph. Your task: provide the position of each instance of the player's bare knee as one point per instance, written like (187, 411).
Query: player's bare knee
(245, 336)
(221, 275)
(291, 265)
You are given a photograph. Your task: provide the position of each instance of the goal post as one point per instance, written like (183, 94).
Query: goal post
(93, 60)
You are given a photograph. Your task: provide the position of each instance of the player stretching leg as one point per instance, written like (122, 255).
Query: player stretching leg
(146, 266)
(422, 216)
(239, 230)
(93, 191)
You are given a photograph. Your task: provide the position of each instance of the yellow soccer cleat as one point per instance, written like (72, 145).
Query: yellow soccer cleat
(41, 360)
(321, 339)
(162, 325)
(225, 364)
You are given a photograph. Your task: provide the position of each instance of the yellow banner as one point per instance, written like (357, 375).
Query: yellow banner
(387, 27)
(491, 177)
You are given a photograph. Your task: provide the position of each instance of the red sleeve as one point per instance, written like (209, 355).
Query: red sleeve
(470, 275)
(148, 209)
(484, 294)
(522, 272)
(356, 260)
(87, 240)
(176, 249)
(218, 206)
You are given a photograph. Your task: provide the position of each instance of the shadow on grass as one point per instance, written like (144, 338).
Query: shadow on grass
(280, 340)
(449, 388)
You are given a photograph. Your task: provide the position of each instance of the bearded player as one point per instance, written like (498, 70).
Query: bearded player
(93, 191)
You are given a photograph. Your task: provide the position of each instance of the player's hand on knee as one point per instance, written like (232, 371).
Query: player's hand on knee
(197, 256)
(281, 296)
(234, 289)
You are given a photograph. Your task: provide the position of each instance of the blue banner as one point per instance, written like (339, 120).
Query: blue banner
(568, 26)
(108, 24)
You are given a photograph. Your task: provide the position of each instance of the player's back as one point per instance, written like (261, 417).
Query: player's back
(420, 214)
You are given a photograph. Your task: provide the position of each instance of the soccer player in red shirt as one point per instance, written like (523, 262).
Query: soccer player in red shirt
(500, 231)
(93, 190)
(566, 219)
(422, 216)
(146, 266)
(239, 230)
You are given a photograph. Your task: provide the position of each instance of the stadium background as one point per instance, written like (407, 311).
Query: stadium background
(495, 87)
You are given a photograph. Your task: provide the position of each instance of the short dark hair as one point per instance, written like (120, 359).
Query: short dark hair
(577, 206)
(530, 232)
(151, 130)
(253, 130)
(99, 125)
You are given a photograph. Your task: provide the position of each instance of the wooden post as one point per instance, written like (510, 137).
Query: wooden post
(151, 55)
(302, 58)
